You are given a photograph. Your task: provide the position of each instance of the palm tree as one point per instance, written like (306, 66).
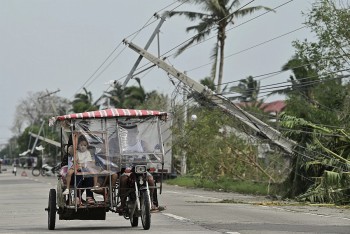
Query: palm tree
(128, 97)
(134, 97)
(156, 101)
(83, 102)
(216, 15)
(303, 78)
(207, 81)
(248, 88)
(116, 95)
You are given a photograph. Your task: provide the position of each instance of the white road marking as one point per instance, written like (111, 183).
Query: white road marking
(194, 195)
(176, 217)
(308, 213)
(187, 220)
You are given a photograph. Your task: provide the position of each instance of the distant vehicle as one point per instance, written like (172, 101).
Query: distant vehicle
(46, 170)
(26, 162)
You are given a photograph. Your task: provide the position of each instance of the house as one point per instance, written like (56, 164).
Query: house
(273, 108)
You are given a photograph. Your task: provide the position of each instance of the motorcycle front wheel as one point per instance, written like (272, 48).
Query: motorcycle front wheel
(134, 219)
(145, 210)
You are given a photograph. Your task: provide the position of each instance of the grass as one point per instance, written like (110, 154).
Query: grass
(244, 187)
(227, 185)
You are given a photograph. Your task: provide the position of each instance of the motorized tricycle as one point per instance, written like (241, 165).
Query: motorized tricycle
(115, 171)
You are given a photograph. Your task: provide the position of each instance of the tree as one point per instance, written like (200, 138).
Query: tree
(324, 171)
(217, 15)
(215, 149)
(248, 88)
(136, 97)
(329, 22)
(304, 77)
(129, 97)
(317, 99)
(156, 101)
(32, 109)
(207, 81)
(115, 96)
(83, 102)
(317, 93)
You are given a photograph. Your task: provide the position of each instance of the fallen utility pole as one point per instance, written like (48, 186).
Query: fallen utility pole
(52, 142)
(261, 128)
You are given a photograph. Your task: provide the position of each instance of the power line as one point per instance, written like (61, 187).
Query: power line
(115, 49)
(252, 47)
(213, 26)
(299, 85)
(229, 29)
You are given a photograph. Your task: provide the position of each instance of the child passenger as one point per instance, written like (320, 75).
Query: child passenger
(84, 159)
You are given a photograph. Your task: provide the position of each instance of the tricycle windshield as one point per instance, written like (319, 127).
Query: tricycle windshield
(109, 145)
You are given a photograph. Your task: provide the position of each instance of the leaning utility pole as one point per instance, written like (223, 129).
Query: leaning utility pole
(155, 33)
(64, 135)
(36, 139)
(184, 157)
(261, 129)
(51, 102)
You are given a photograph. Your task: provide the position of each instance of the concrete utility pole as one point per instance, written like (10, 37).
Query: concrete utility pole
(36, 139)
(184, 158)
(155, 33)
(52, 142)
(64, 135)
(53, 105)
(51, 102)
(259, 127)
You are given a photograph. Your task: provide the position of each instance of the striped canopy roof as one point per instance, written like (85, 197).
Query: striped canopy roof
(109, 113)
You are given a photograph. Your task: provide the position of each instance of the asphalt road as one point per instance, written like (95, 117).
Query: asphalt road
(24, 198)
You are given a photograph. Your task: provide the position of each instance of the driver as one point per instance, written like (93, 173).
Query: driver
(133, 145)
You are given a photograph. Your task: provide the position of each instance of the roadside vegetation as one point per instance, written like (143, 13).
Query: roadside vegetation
(223, 185)
(316, 117)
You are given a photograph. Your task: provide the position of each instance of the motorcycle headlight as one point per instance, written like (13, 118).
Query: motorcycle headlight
(141, 180)
(140, 169)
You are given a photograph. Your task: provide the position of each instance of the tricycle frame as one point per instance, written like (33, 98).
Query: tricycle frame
(97, 128)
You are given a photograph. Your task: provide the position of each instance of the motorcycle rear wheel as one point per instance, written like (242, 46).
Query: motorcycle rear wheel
(43, 172)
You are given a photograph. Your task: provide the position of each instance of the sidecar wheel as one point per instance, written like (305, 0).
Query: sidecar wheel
(134, 221)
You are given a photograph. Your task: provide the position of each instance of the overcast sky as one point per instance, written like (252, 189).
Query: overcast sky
(59, 44)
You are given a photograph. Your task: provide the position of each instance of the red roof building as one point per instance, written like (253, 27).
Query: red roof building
(275, 107)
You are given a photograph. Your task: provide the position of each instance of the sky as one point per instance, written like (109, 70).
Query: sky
(50, 45)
